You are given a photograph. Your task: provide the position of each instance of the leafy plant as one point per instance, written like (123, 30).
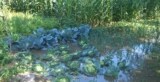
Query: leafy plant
(42, 39)
(38, 68)
(74, 65)
(63, 79)
(111, 72)
(58, 70)
(90, 67)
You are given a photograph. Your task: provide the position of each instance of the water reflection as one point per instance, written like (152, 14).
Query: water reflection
(130, 57)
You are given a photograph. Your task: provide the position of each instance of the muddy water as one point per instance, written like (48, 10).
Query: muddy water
(143, 66)
(150, 71)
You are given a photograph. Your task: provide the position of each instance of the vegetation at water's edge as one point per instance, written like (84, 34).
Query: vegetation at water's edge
(93, 12)
(115, 23)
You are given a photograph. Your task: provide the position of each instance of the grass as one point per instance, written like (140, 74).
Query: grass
(16, 23)
(112, 35)
(6, 67)
(89, 11)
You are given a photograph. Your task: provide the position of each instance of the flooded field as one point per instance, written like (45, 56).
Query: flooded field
(136, 63)
(61, 58)
(140, 65)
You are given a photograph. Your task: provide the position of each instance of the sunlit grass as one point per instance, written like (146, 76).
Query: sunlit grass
(158, 71)
(24, 23)
(15, 25)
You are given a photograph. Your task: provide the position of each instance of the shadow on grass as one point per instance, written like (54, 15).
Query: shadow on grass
(123, 34)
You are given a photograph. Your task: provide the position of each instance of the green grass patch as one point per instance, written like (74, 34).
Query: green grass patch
(24, 23)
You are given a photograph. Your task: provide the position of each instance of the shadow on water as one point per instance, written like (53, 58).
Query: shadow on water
(134, 63)
(140, 56)
(129, 60)
(135, 58)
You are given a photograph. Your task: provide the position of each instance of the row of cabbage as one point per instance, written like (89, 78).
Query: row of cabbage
(60, 62)
(43, 39)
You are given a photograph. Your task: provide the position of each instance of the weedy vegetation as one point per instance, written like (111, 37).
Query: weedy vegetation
(74, 33)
